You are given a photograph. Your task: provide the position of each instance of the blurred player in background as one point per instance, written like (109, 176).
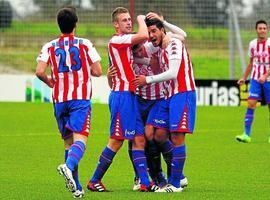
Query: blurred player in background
(72, 60)
(259, 54)
(126, 122)
(178, 111)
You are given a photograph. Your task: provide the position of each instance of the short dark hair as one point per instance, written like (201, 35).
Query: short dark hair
(154, 21)
(261, 21)
(67, 19)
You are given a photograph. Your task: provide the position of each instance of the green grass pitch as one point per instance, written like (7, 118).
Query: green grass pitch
(217, 167)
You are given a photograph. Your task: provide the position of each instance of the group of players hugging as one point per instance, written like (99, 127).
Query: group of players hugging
(152, 100)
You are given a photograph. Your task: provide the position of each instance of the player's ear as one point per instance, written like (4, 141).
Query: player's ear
(163, 30)
(115, 24)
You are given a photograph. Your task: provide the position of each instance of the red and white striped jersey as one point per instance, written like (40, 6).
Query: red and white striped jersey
(260, 52)
(185, 78)
(70, 59)
(121, 57)
(151, 91)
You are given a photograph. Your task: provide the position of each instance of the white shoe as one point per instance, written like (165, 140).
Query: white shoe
(67, 174)
(170, 188)
(137, 184)
(184, 182)
(78, 194)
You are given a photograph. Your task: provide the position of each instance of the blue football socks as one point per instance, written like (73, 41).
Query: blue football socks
(140, 163)
(248, 120)
(178, 161)
(104, 163)
(75, 154)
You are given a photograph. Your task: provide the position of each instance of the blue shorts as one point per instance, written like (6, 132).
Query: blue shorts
(182, 112)
(126, 122)
(257, 89)
(159, 114)
(144, 107)
(73, 116)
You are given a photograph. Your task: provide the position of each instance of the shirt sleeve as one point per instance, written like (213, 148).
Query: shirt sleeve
(44, 54)
(122, 39)
(175, 49)
(92, 53)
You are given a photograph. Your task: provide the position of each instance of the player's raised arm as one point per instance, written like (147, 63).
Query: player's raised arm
(142, 34)
(173, 28)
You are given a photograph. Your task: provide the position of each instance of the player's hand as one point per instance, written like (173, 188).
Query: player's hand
(152, 15)
(111, 72)
(241, 81)
(50, 82)
(139, 81)
(166, 40)
(142, 17)
(262, 78)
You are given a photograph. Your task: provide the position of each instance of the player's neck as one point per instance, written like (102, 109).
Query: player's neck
(262, 39)
(119, 32)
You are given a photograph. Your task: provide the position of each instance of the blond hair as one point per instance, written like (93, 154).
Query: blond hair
(117, 11)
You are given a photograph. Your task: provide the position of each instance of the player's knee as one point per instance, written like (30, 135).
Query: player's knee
(161, 135)
(178, 139)
(68, 142)
(115, 145)
(139, 143)
(161, 138)
(252, 104)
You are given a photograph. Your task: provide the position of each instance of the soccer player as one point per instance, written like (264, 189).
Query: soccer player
(148, 99)
(72, 61)
(180, 106)
(259, 53)
(125, 120)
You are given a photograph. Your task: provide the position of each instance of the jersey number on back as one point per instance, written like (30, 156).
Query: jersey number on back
(76, 63)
